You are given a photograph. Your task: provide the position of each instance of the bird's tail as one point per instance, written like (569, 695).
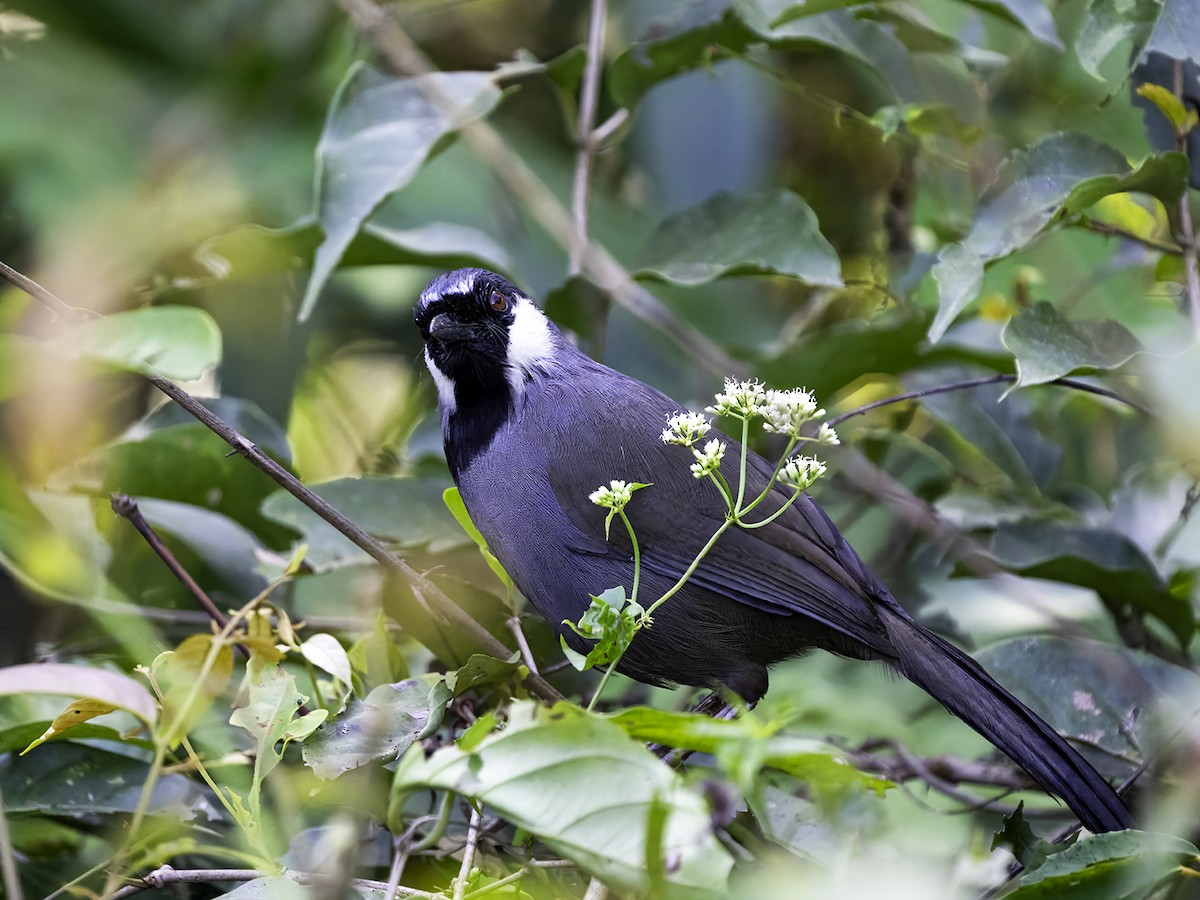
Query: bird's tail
(961, 685)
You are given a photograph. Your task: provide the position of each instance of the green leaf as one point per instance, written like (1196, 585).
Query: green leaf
(1126, 703)
(773, 232)
(1101, 866)
(112, 688)
(871, 44)
(67, 779)
(376, 657)
(1048, 346)
(1108, 24)
(819, 766)
(168, 455)
(585, 789)
(1162, 175)
(1104, 561)
(454, 502)
(796, 823)
(1029, 849)
(924, 120)
(1034, 184)
(482, 670)
(372, 503)
(269, 715)
(1032, 15)
(379, 727)
(178, 342)
(694, 34)
(379, 132)
(18, 737)
(611, 620)
(1175, 34)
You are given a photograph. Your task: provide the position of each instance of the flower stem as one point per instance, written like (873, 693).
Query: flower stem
(690, 570)
(603, 681)
(737, 508)
(774, 475)
(637, 557)
(775, 515)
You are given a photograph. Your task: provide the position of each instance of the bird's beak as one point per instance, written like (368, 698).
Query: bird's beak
(448, 331)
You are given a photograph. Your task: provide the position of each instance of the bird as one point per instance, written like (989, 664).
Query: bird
(531, 426)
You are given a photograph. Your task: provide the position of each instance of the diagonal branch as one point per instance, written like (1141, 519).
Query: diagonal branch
(425, 589)
(585, 137)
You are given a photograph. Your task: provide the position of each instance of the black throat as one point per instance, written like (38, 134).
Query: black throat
(483, 402)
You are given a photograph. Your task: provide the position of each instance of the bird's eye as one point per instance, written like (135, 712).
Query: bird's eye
(498, 301)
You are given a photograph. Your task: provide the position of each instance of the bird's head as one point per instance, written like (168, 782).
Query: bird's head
(484, 339)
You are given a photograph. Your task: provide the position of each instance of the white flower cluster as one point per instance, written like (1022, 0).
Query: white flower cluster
(685, 429)
(613, 497)
(741, 399)
(708, 461)
(801, 471)
(786, 411)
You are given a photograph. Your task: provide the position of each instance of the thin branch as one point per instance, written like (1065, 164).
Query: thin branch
(943, 786)
(165, 875)
(1117, 231)
(8, 858)
(514, 625)
(584, 137)
(1190, 265)
(421, 585)
(126, 507)
(596, 890)
(899, 767)
(980, 382)
(468, 860)
(523, 184)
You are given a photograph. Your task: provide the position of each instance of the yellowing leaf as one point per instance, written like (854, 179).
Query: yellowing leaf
(191, 676)
(1181, 118)
(75, 714)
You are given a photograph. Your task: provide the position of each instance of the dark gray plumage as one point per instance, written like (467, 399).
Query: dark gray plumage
(531, 426)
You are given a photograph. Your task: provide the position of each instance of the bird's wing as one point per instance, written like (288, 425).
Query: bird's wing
(800, 564)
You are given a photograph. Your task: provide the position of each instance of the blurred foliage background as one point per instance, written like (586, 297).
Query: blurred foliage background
(861, 198)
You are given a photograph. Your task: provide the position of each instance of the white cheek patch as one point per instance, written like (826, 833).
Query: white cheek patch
(530, 345)
(445, 387)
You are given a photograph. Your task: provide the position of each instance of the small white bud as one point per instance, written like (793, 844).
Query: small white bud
(801, 471)
(685, 429)
(709, 459)
(826, 435)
